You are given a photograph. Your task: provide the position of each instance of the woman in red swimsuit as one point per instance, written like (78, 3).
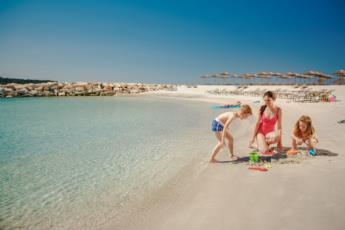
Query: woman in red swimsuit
(268, 129)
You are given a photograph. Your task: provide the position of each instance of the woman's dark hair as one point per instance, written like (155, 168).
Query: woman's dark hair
(269, 94)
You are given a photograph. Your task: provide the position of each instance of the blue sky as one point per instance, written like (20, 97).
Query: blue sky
(168, 41)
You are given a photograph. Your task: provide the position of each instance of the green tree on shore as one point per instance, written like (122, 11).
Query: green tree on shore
(4, 81)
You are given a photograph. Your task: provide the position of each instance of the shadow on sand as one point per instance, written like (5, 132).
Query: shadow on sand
(282, 156)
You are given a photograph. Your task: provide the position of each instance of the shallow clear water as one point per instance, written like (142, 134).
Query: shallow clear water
(74, 163)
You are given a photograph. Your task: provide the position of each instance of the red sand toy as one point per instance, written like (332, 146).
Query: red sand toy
(258, 168)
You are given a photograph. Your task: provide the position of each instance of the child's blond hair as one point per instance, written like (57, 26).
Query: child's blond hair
(310, 132)
(246, 109)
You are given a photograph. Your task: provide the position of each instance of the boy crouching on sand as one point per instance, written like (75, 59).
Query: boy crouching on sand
(220, 127)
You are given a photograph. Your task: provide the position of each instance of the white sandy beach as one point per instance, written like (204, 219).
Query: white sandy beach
(298, 193)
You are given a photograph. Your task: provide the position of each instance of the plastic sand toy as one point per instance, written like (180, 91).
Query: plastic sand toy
(253, 157)
(292, 152)
(258, 168)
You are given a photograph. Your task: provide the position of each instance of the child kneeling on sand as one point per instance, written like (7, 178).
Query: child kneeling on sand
(220, 127)
(304, 132)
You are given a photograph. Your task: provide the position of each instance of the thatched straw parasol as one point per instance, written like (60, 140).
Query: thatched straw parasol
(276, 74)
(205, 77)
(284, 76)
(224, 76)
(318, 74)
(298, 75)
(339, 81)
(304, 77)
(263, 74)
(215, 77)
(341, 74)
(321, 76)
(225, 73)
(290, 74)
(311, 73)
(322, 79)
(269, 74)
(247, 75)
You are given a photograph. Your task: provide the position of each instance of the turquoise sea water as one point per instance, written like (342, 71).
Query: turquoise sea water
(74, 163)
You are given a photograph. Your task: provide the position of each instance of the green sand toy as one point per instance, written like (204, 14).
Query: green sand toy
(253, 157)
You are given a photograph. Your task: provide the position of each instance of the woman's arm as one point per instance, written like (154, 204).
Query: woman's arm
(256, 127)
(280, 132)
(280, 123)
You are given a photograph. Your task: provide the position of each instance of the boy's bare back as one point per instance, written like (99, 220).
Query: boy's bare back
(224, 117)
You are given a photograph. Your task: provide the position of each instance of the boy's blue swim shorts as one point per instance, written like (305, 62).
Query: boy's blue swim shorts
(216, 126)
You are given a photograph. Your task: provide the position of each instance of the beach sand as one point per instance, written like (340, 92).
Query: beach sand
(296, 193)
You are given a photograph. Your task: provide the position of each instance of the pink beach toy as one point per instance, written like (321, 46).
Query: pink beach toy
(258, 168)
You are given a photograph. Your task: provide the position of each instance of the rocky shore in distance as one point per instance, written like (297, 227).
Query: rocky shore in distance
(78, 89)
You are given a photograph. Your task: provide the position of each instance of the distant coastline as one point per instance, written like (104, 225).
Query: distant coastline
(5, 80)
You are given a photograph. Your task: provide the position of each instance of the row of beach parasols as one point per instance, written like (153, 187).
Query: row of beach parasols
(310, 75)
